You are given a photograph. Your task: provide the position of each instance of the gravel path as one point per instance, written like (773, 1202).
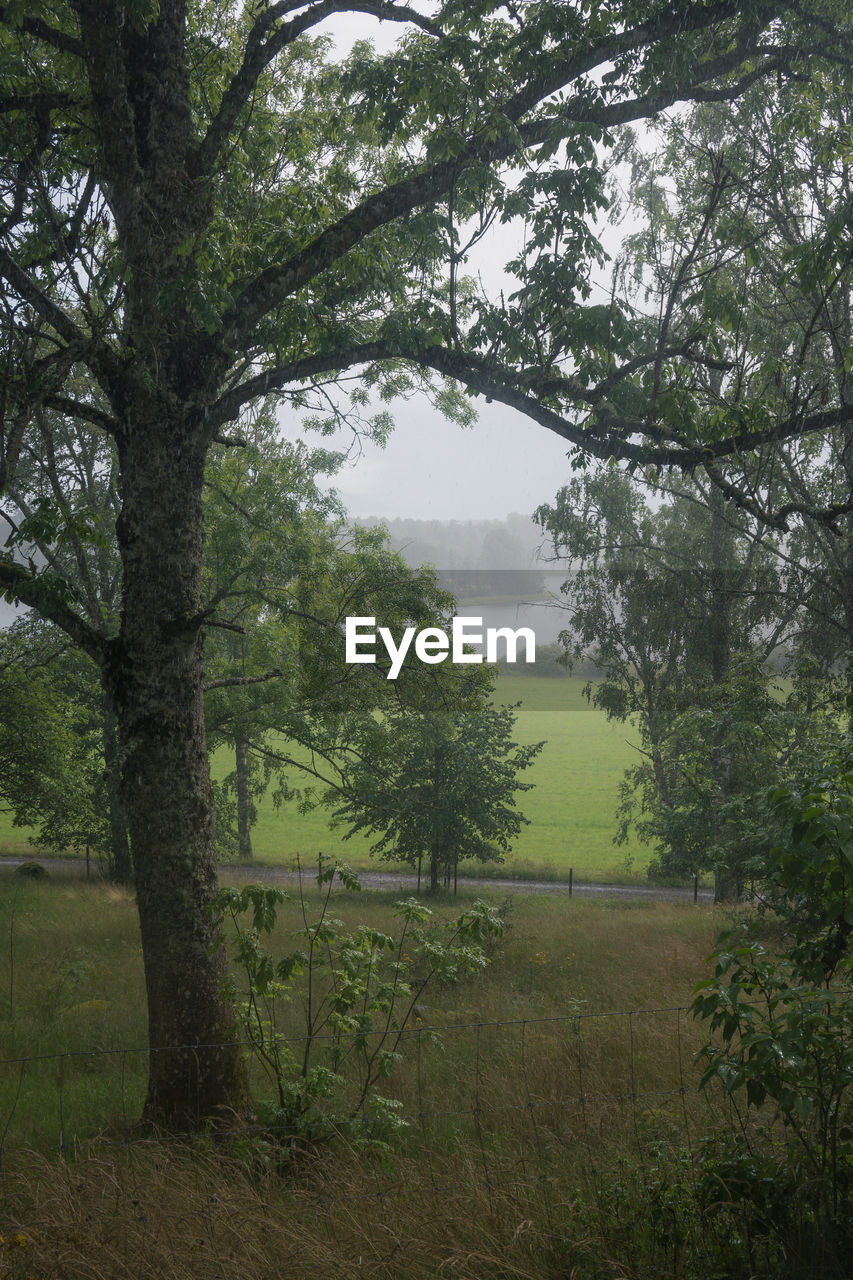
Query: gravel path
(389, 881)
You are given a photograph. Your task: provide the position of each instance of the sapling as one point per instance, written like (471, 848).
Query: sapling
(356, 991)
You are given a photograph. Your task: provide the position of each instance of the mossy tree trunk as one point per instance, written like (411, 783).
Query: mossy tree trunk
(156, 683)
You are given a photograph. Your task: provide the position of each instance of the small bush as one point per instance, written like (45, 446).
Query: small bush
(358, 991)
(31, 871)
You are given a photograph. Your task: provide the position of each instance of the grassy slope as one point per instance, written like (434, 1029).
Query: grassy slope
(571, 808)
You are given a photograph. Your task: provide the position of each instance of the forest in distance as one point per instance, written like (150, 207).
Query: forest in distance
(242, 242)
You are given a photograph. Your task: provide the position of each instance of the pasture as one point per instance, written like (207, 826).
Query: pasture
(571, 807)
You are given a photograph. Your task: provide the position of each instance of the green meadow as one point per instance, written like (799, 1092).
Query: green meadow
(571, 809)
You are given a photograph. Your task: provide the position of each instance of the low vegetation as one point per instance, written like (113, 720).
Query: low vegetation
(571, 807)
(548, 1117)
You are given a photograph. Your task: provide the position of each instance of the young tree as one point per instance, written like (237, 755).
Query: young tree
(198, 211)
(439, 781)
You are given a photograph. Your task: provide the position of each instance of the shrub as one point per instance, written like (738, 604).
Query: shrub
(359, 991)
(785, 1028)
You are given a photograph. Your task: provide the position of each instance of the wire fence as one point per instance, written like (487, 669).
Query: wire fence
(523, 1085)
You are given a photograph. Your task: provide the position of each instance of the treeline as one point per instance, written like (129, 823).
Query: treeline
(475, 558)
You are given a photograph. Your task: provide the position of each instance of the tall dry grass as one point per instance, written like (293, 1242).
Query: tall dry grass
(147, 1212)
(546, 1134)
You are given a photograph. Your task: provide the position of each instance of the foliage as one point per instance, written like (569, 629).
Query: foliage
(358, 990)
(719, 756)
(784, 1021)
(51, 743)
(439, 782)
(746, 242)
(786, 1048)
(666, 602)
(813, 861)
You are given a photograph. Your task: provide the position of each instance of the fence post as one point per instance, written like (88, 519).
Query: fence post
(571, 878)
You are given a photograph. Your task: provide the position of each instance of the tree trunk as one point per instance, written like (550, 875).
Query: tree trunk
(845, 565)
(196, 1069)
(727, 882)
(121, 869)
(244, 802)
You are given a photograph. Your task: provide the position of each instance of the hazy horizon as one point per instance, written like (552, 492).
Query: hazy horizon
(431, 469)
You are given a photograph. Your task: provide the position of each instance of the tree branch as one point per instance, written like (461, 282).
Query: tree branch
(607, 436)
(49, 35)
(116, 124)
(276, 283)
(85, 412)
(234, 682)
(36, 102)
(678, 19)
(263, 48)
(229, 404)
(827, 516)
(27, 288)
(33, 590)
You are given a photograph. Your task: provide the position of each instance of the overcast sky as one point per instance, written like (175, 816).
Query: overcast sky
(433, 469)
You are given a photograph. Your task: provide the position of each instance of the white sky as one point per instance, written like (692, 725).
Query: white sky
(433, 469)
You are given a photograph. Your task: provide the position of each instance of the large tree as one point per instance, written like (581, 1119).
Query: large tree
(198, 210)
(668, 600)
(747, 210)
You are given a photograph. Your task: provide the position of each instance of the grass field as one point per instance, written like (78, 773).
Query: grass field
(548, 1131)
(74, 986)
(571, 808)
